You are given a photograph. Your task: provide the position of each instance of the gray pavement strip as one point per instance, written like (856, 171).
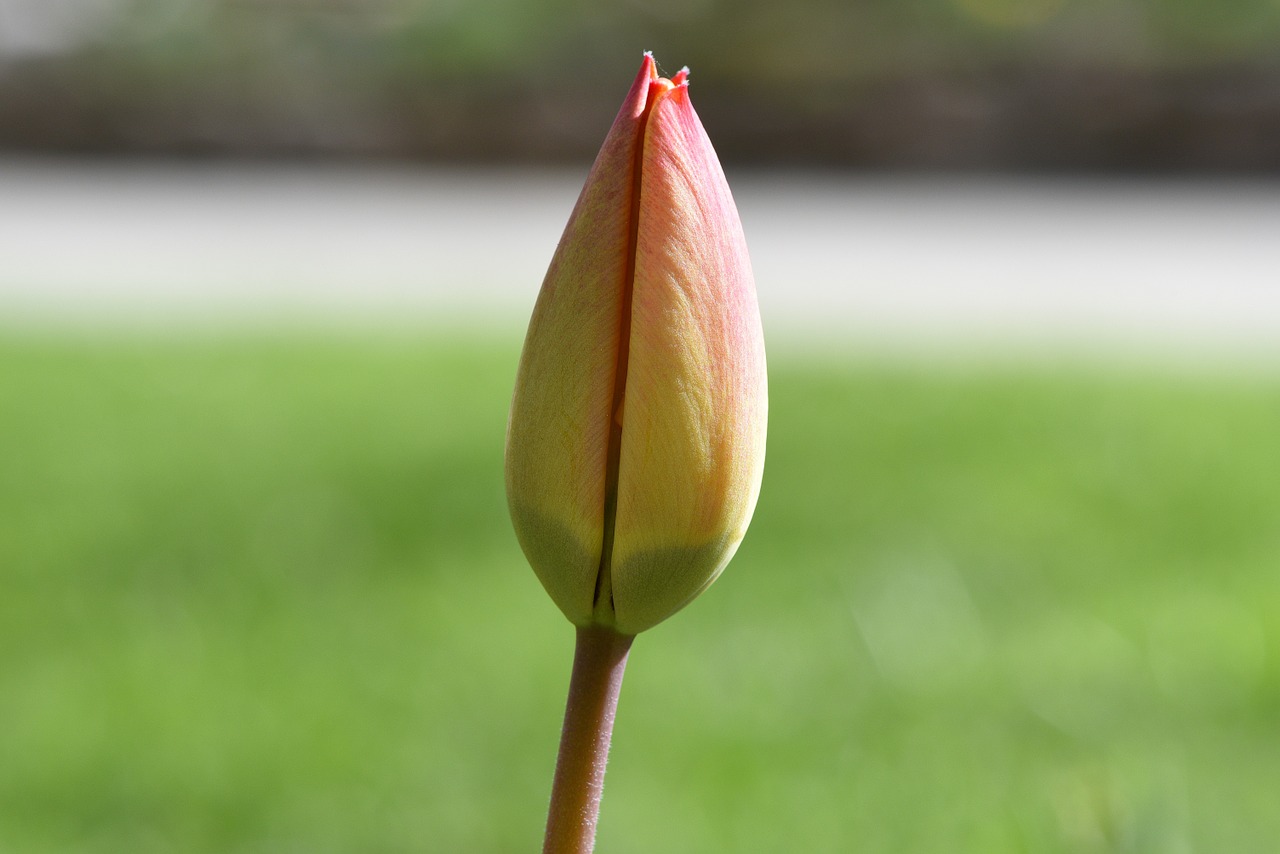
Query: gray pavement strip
(1172, 266)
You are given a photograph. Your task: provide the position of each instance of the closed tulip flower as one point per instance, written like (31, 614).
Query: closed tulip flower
(635, 445)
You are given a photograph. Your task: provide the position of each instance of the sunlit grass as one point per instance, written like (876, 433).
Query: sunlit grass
(261, 595)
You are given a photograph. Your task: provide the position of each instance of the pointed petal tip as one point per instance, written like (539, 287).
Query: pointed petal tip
(679, 93)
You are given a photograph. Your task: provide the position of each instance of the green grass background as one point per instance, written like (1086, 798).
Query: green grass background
(260, 594)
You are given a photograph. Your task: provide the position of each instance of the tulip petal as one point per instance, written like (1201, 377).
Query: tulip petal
(696, 403)
(562, 409)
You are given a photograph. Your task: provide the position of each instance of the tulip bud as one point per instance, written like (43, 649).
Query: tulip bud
(635, 444)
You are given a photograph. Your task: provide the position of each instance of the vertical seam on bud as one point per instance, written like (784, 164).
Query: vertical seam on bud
(602, 602)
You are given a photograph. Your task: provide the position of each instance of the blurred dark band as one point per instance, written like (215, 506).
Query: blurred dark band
(1049, 85)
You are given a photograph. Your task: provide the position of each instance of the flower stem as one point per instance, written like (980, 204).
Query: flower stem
(599, 658)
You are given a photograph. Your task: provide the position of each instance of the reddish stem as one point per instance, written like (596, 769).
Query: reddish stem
(599, 658)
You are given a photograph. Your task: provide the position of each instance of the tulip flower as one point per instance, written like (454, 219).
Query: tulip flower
(635, 445)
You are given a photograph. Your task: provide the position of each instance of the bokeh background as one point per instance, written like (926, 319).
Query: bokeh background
(1050, 84)
(1013, 583)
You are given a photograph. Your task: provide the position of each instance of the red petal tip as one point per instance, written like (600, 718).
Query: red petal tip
(650, 64)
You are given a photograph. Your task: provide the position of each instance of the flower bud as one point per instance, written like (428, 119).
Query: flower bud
(635, 444)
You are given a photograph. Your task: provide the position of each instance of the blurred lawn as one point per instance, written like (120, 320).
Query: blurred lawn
(261, 595)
